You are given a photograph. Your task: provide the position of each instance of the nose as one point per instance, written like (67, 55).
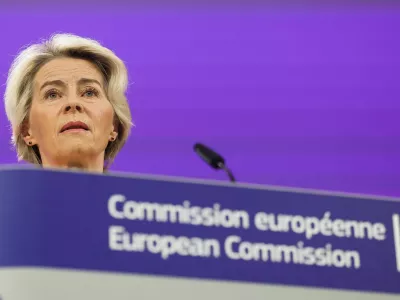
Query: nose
(73, 107)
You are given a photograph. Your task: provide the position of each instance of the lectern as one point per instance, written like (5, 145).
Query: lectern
(71, 235)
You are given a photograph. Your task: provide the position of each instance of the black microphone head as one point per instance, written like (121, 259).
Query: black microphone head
(209, 156)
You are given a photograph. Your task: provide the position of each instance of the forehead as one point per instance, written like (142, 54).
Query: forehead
(68, 70)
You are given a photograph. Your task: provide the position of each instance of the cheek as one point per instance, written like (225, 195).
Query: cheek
(104, 118)
(41, 123)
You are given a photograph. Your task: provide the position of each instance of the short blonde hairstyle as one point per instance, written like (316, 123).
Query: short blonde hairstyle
(19, 89)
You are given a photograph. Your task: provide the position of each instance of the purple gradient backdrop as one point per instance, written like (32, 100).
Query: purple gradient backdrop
(304, 97)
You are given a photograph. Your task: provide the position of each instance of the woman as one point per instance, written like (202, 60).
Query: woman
(65, 100)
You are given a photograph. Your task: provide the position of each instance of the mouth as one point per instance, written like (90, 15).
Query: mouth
(75, 126)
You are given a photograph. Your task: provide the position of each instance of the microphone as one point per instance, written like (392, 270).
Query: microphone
(213, 159)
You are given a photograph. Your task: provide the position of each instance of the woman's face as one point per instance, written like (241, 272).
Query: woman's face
(70, 118)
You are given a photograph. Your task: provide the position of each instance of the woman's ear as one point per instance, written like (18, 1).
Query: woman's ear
(27, 134)
(113, 136)
(114, 133)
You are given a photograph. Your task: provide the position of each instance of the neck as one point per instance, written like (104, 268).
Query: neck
(90, 164)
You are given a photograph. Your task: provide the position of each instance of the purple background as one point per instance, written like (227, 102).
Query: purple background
(294, 95)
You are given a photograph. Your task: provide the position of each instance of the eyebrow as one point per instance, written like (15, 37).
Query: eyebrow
(87, 80)
(62, 83)
(53, 82)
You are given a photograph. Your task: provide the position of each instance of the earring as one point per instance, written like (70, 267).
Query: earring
(112, 139)
(30, 143)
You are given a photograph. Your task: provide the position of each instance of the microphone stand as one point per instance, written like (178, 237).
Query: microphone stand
(222, 166)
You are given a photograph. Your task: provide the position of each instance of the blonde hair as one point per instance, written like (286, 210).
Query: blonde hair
(19, 89)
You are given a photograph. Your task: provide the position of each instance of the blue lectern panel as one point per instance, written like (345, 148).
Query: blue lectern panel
(198, 230)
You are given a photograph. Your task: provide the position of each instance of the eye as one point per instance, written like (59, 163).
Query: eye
(52, 94)
(90, 92)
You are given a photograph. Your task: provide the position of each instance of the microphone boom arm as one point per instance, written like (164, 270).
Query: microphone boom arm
(228, 171)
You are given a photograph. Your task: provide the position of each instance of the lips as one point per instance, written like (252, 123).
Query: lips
(74, 125)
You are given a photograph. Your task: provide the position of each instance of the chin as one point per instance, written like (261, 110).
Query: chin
(77, 151)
